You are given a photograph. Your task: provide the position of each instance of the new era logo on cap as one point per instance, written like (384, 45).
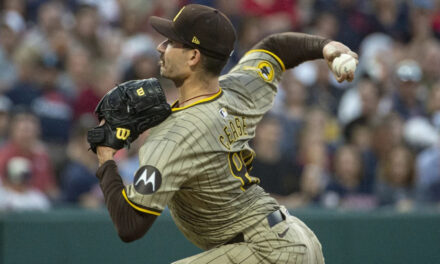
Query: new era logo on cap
(201, 27)
(195, 40)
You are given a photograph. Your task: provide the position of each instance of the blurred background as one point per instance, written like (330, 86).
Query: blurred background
(366, 147)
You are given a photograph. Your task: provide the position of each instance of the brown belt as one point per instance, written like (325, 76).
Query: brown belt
(273, 218)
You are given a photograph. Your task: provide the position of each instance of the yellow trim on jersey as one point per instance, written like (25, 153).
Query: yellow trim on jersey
(198, 102)
(249, 158)
(248, 177)
(270, 53)
(137, 207)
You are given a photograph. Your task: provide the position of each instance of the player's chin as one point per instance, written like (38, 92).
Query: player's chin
(163, 72)
(167, 75)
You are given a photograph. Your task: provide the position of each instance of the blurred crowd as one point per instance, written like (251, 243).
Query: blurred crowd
(363, 145)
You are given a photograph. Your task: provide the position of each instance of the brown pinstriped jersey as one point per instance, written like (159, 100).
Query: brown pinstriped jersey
(197, 161)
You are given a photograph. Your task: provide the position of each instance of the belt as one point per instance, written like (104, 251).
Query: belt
(272, 218)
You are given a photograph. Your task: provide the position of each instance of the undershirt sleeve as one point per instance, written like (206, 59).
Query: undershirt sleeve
(130, 223)
(293, 48)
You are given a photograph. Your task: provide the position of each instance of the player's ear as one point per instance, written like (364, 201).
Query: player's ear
(194, 57)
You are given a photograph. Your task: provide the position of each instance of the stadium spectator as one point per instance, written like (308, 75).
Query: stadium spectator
(52, 107)
(38, 38)
(232, 9)
(313, 166)
(376, 67)
(323, 93)
(364, 102)
(436, 20)
(278, 15)
(5, 109)
(290, 105)
(359, 132)
(143, 66)
(111, 44)
(105, 78)
(86, 29)
(323, 123)
(133, 16)
(428, 177)
(311, 161)
(345, 188)
(429, 60)
(18, 6)
(25, 88)
(421, 13)
(24, 141)
(248, 32)
(274, 169)
(387, 134)
(392, 18)
(433, 105)
(406, 100)
(9, 39)
(325, 24)
(395, 186)
(108, 10)
(78, 79)
(78, 182)
(16, 194)
(351, 14)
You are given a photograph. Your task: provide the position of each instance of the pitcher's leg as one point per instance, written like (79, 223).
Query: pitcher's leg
(314, 248)
(226, 254)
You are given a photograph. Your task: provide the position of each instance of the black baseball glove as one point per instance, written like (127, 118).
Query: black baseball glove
(128, 110)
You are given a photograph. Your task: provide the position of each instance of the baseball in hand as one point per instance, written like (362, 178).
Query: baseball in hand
(344, 64)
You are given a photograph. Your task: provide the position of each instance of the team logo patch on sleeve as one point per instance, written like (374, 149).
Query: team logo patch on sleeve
(147, 180)
(266, 71)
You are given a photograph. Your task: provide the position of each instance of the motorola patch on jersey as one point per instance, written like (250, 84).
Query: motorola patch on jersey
(147, 180)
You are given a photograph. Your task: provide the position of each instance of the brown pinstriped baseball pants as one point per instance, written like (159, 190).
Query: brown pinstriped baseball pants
(263, 244)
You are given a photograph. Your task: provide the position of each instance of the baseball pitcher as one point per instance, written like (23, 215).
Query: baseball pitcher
(196, 159)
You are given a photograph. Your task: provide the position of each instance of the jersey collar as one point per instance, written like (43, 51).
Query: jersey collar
(205, 100)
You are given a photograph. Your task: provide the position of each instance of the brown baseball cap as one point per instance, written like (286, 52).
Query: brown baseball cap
(200, 27)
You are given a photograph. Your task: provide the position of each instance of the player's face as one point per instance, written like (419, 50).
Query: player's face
(173, 60)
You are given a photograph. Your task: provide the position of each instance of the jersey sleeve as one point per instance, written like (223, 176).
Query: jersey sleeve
(163, 169)
(255, 77)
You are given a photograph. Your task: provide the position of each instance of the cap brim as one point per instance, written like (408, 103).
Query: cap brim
(164, 27)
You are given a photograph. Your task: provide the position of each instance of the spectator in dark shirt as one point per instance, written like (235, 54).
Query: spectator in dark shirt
(78, 182)
(392, 18)
(406, 102)
(395, 186)
(345, 188)
(273, 169)
(25, 89)
(52, 106)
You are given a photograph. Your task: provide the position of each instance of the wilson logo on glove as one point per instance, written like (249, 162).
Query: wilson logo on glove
(140, 91)
(122, 133)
